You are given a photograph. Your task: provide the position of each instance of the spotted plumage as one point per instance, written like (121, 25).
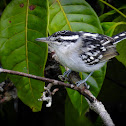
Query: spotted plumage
(83, 51)
(96, 48)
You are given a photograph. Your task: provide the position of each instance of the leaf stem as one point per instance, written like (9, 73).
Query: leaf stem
(113, 8)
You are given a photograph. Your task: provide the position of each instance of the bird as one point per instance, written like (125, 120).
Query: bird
(83, 51)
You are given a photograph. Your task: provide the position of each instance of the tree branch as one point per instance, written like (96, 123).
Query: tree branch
(94, 104)
(54, 82)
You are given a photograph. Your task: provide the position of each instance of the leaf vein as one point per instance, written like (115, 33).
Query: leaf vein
(35, 31)
(55, 15)
(14, 51)
(35, 44)
(35, 54)
(12, 25)
(10, 38)
(36, 16)
(26, 42)
(64, 15)
(13, 16)
(17, 64)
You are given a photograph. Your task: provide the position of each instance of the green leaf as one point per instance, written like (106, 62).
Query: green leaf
(77, 15)
(21, 23)
(74, 15)
(109, 27)
(110, 14)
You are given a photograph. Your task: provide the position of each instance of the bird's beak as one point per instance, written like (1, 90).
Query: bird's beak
(42, 39)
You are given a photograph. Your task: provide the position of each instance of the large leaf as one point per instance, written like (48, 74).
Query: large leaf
(74, 15)
(21, 23)
(111, 14)
(77, 15)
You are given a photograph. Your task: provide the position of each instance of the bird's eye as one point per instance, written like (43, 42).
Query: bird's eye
(63, 32)
(59, 33)
(59, 40)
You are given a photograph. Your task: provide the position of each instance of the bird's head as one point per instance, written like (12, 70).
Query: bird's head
(60, 38)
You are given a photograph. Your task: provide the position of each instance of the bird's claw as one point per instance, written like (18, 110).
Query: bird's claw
(63, 78)
(78, 83)
(65, 75)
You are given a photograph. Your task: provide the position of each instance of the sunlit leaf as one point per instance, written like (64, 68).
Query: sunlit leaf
(21, 23)
(109, 27)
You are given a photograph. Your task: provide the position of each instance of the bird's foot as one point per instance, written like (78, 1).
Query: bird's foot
(65, 75)
(84, 81)
(78, 83)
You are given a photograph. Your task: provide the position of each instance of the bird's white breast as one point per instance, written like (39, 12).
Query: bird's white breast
(71, 59)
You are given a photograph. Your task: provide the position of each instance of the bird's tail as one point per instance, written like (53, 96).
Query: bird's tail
(119, 37)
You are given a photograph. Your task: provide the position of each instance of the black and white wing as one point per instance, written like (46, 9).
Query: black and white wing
(97, 48)
(119, 37)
